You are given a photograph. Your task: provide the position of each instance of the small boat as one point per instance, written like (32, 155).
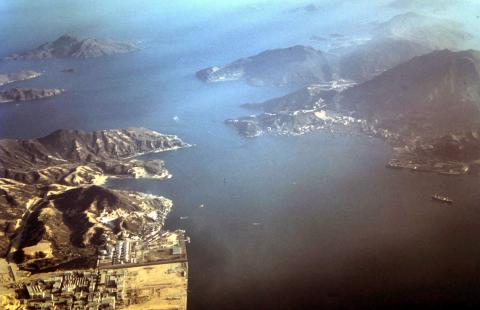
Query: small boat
(201, 206)
(256, 224)
(183, 217)
(441, 198)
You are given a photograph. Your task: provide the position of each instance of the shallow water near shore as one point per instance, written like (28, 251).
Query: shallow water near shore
(288, 222)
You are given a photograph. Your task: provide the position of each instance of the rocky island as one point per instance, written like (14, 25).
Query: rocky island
(293, 66)
(70, 47)
(27, 94)
(18, 76)
(56, 216)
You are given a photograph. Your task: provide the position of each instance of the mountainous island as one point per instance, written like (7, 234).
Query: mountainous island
(398, 40)
(27, 94)
(311, 8)
(18, 76)
(68, 46)
(433, 32)
(293, 66)
(420, 4)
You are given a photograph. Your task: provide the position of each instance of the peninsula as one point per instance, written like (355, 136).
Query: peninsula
(18, 76)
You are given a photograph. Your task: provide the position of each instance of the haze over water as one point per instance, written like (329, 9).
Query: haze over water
(288, 222)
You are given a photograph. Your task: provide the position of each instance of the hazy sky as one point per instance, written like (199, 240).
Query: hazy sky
(23, 26)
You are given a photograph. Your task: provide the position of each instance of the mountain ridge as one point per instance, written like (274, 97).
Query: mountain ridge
(51, 198)
(292, 66)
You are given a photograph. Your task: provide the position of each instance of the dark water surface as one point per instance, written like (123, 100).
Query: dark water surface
(288, 222)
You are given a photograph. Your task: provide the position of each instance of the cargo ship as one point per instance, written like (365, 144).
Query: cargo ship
(441, 198)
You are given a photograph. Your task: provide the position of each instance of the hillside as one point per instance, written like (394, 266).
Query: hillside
(398, 40)
(293, 66)
(52, 213)
(71, 47)
(430, 95)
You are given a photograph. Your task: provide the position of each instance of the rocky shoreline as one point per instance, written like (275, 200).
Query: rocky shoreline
(28, 94)
(409, 150)
(18, 76)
